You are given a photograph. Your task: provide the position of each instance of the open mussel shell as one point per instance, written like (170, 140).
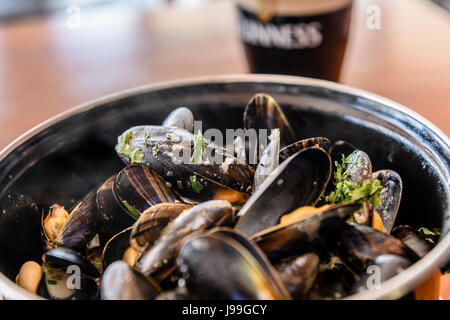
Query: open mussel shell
(116, 246)
(283, 241)
(137, 188)
(122, 282)
(268, 161)
(391, 195)
(114, 217)
(181, 118)
(263, 112)
(321, 142)
(332, 284)
(413, 240)
(358, 246)
(159, 260)
(298, 181)
(219, 267)
(152, 221)
(82, 226)
(299, 274)
(169, 151)
(62, 258)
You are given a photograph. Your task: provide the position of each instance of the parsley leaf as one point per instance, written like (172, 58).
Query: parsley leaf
(196, 185)
(199, 147)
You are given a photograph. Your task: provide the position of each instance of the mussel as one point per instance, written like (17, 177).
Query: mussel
(181, 118)
(159, 260)
(298, 181)
(217, 266)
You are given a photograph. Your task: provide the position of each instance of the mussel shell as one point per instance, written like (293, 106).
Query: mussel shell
(284, 241)
(412, 239)
(116, 247)
(152, 221)
(179, 293)
(159, 260)
(358, 246)
(391, 195)
(358, 166)
(164, 151)
(61, 258)
(263, 112)
(332, 284)
(82, 226)
(299, 274)
(338, 149)
(295, 147)
(181, 118)
(298, 181)
(219, 268)
(140, 187)
(115, 219)
(121, 282)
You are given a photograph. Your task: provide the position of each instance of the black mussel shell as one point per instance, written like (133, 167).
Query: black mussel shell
(413, 240)
(159, 260)
(295, 147)
(114, 218)
(116, 247)
(82, 226)
(217, 267)
(137, 188)
(358, 246)
(263, 112)
(298, 181)
(169, 151)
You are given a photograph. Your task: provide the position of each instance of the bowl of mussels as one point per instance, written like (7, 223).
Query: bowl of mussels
(230, 187)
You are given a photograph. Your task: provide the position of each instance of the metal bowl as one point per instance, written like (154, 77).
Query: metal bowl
(67, 155)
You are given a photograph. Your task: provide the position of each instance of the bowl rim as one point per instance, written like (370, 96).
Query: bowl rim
(392, 288)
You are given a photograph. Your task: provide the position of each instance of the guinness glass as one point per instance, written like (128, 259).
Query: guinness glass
(296, 37)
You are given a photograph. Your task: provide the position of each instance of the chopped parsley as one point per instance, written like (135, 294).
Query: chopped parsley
(155, 150)
(124, 147)
(196, 185)
(199, 147)
(59, 244)
(52, 282)
(98, 262)
(131, 210)
(432, 235)
(180, 184)
(172, 137)
(146, 137)
(355, 192)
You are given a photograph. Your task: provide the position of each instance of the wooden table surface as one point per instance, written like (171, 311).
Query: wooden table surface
(47, 67)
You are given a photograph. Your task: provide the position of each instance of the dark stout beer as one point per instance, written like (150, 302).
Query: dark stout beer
(296, 37)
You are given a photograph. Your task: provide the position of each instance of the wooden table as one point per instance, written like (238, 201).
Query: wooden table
(46, 67)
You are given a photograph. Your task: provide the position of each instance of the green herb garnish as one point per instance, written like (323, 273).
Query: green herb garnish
(131, 210)
(180, 184)
(124, 147)
(238, 205)
(155, 150)
(52, 282)
(432, 235)
(59, 244)
(196, 185)
(355, 192)
(199, 147)
(146, 137)
(98, 261)
(172, 137)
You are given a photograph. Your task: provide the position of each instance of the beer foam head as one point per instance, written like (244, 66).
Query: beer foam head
(269, 8)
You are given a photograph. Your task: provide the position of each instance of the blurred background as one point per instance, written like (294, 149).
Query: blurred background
(56, 54)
